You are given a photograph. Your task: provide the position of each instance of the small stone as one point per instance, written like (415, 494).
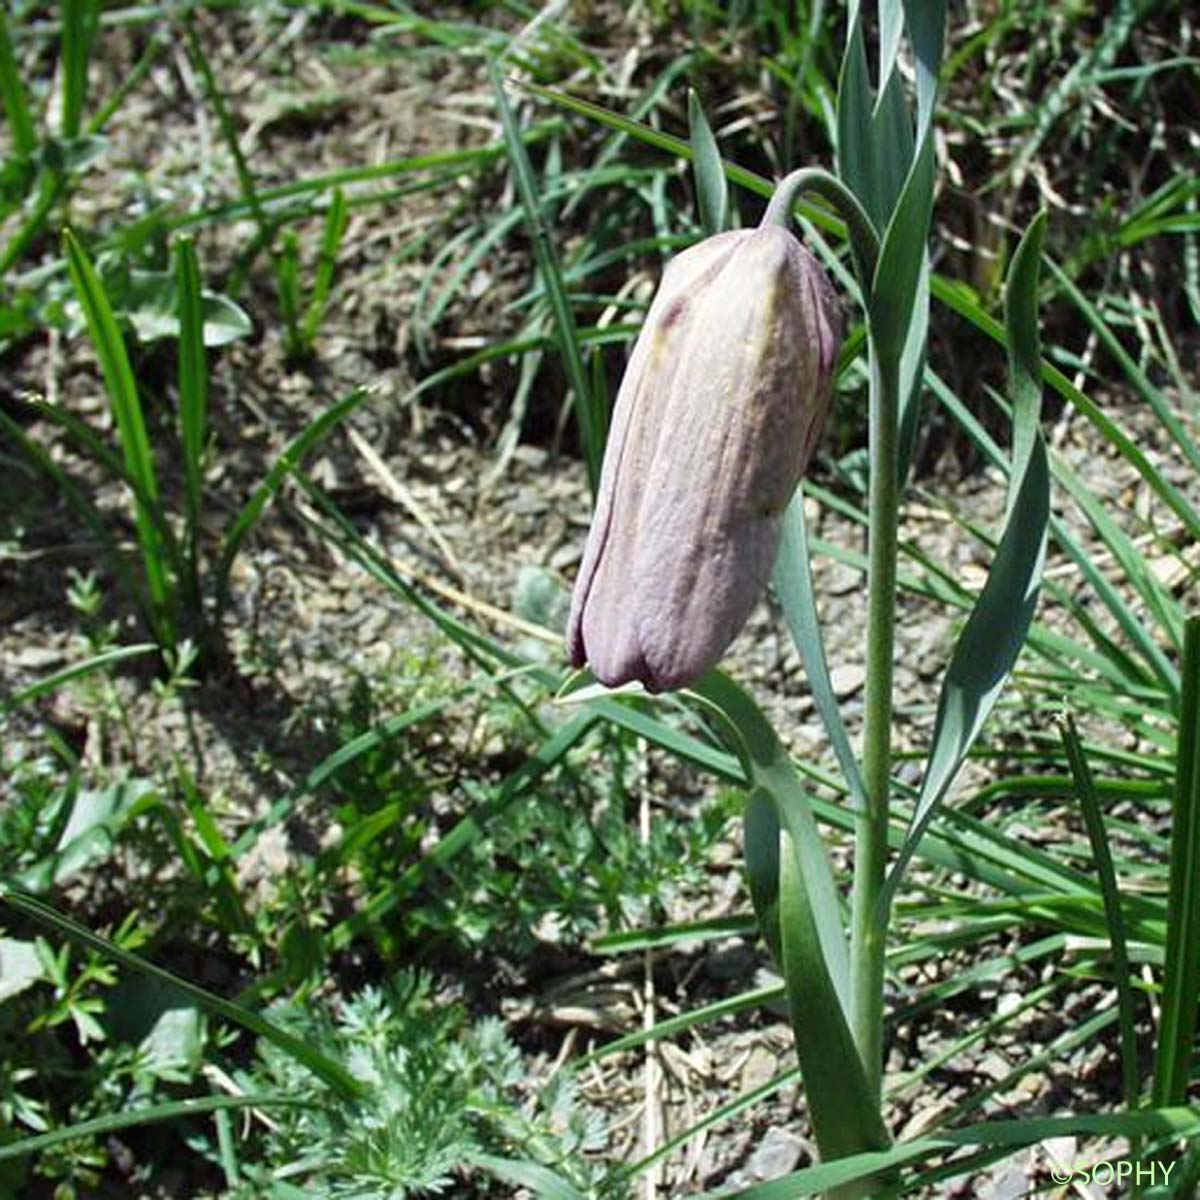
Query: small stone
(1010, 1186)
(760, 1067)
(845, 579)
(994, 1066)
(528, 503)
(1007, 1003)
(847, 679)
(777, 1154)
(926, 1119)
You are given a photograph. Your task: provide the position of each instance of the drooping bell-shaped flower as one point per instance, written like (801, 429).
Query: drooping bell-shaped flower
(720, 408)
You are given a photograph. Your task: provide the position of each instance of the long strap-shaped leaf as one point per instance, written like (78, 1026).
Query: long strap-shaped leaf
(797, 904)
(147, 1114)
(1181, 981)
(890, 170)
(794, 586)
(712, 188)
(592, 424)
(131, 426)
(193, 403)
(990, 641)
(1167, 1123)
(325, 1068)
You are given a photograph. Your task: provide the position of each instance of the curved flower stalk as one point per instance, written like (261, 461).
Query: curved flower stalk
(716, 419)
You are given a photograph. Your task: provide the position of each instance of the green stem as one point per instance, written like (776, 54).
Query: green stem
(868, 928)
(868, 931)
(859, 227)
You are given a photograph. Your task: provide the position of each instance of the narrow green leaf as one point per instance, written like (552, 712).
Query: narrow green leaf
(78, 19)
(592, 434)
(1141, 382)
(332, 1073)
(678, 148)
(844, 1114)
(1116, 665)
(12, 92)
(131, 79)
(874, 135)
(1171, 1123)
(902, 257)
(912, 372)
(712, 188)
(892, 137)
(990, 641)
(770, 771)
(927, 29)
(791, 883)
(335, 229)
(286, 264)
(131, 427)
(193, 404)
(466, 831)
(1181, 977)
(1085, 790)
(328, 767)
(758, 998)
(793, 584)
(148, 1114)
(527, 1175)
(962, 301)
(98, 662)
(891, 30)
(746, 1102)
(855, 127)
(288, 461)
(246, 183)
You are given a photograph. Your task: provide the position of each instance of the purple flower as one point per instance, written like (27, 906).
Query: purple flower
(721, 406)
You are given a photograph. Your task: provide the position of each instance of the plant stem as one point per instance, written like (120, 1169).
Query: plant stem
(868, 928)
(859, 230)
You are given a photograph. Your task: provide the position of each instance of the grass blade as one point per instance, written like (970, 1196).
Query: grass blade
(592, 424)
(1136, 376)
(531, 1176)
(287, 462)
(193, 405)
(333, 1073)
(1170, 1123)
(961, 301)
(335, 230)
(1085, 789)
(12, 92)
(97, 662)
(147, 1114)
(78, 23)
(1181, 977)
(131, 426)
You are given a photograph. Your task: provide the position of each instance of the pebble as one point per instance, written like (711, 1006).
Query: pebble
(845, 579)
(847, 679)
(1009, 1186)
(760, 1067)
(777, 1154)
